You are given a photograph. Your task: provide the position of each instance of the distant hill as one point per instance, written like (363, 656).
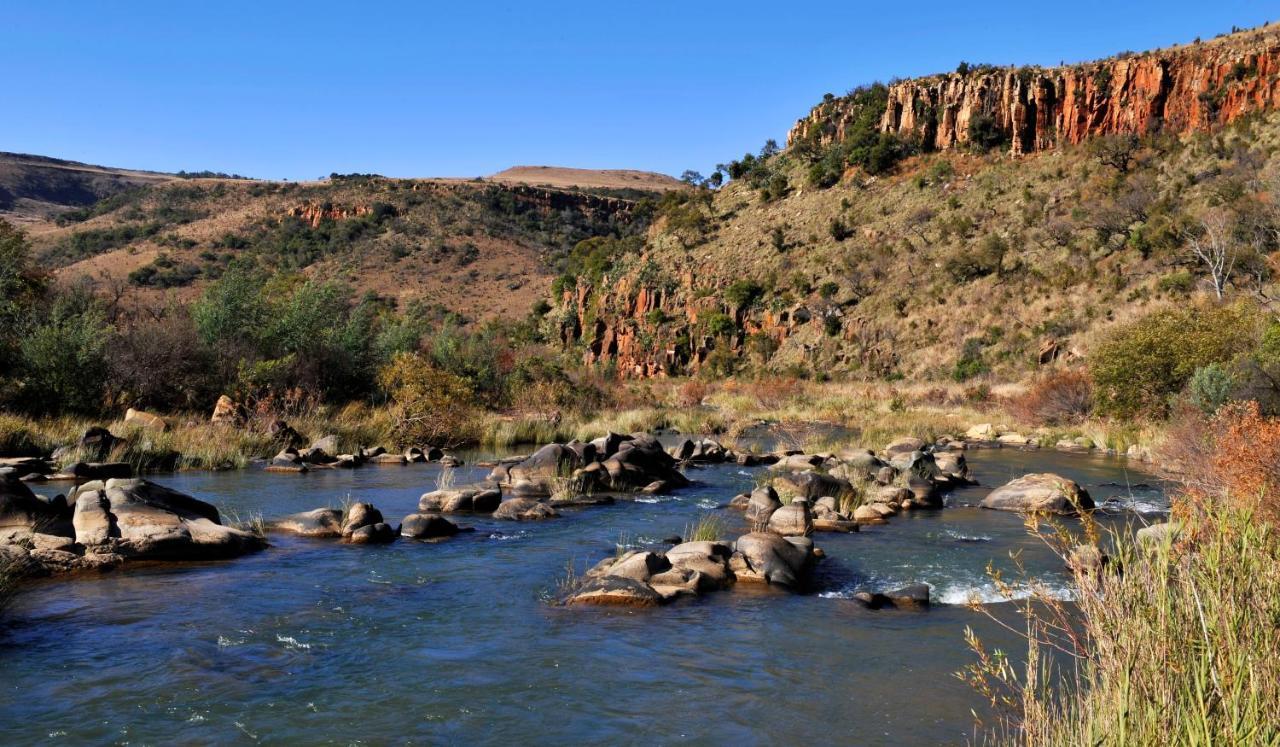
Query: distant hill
(34, 188)
(559, 176)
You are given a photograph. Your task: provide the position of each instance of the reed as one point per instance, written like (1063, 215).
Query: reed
(708, 528)
(1179, 648)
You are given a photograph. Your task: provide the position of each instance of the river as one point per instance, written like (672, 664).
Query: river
(454, 641)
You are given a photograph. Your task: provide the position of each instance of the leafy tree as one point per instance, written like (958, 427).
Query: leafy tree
(63, 357)
(1140, 365)
(431, 407)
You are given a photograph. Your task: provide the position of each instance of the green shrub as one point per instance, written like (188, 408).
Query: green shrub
(719, 324)
(970, 363)
(1140, 365)
(1210, 387)
(987, 258)
(743, 293)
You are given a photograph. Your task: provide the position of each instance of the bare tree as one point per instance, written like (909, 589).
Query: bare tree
(1215, 246)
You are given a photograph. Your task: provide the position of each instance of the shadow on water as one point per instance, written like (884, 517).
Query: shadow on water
(452, 641)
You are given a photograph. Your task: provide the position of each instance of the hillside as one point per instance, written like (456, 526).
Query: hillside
(479, 249)
(997, 231)
(35, 188)
(561, 177)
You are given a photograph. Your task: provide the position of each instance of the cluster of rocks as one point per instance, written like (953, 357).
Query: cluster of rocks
(104, 523)
(324, 454)
(645, 578)
(989, 434)
(709, 451)
(839, 492)
(613, 462)
(363, 524)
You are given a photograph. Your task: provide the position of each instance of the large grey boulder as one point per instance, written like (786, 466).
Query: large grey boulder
(763, 502)
(320, 522)
(1041, 492)
(811, 485)
(477, 498)
(768, 557)
(524, 509)
(427, 526)
(792, 520)
(140, 519)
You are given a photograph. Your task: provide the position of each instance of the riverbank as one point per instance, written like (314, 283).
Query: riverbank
(812, 416)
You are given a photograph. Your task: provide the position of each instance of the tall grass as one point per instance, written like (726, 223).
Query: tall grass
(1178, 648)
(708, 528)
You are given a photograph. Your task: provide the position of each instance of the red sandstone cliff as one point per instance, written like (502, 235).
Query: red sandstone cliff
(1179, 90)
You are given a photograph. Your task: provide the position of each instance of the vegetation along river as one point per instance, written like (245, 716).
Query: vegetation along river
(454, 641)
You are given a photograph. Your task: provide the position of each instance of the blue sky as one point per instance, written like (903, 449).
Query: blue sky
(297, 90)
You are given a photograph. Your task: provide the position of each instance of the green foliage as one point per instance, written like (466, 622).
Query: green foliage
(432, 407)
(970, 363)
(1140, 365)
(1210, 387)
(985, 133)
(743, 293)
(719, 324)
(63, 357)
(987, 258)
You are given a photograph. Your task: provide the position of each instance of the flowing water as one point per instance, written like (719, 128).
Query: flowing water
(454, 642)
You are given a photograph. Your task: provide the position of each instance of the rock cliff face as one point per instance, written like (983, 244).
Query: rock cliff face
(1178, 90)
(313, 214)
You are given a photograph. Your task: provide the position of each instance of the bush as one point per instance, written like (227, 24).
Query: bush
(743, 293)
(720, 325)
(63, 358)
(970, 363)
(1210, 388)
(1139, 366)
(1061, 397)
(987, 258)
(985, 133)
(431, 407)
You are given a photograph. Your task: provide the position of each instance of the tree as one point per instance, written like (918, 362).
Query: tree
(63, 361)
(692, 178)
(1116, 151)
(1213, 243)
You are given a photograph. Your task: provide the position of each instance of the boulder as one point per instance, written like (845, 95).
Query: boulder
(524, 509)
(478, 499)
(288, 460)
(908, 597)
(96, 443)
(797, 463)
(865, 514)
(327, 444)
(22, 512)
(792, 520)
(139, 519)
(616, 591)
(607, 445)
(414, 455)
(284, 434)
(427, 526)
(98, 470)
(536, 475)
(388, 459)
(1158, 534)
(320, 522)
(638, 565)
(640, 462)
(811, 485)
(372, 534)
(360, 514)
(1042, 492)
(763, 502)
(703, 565)
(981, 432)
(227, 411)
(903, 446)
(147, 420)
(782, 561)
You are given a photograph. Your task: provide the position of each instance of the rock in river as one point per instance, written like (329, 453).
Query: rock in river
(1042, 492)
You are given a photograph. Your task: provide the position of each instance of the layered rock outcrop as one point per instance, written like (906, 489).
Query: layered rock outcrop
(1181, 89)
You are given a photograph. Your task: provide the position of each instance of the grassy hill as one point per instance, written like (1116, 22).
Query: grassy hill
(476, 248)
